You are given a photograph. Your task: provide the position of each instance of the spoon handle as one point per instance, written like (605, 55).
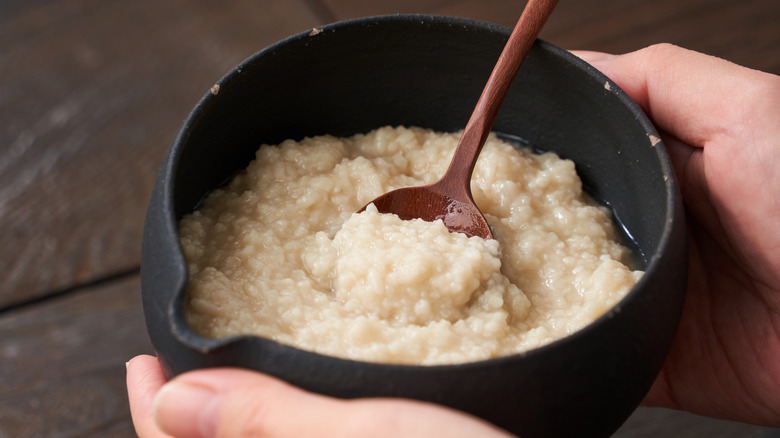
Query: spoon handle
(526, 30)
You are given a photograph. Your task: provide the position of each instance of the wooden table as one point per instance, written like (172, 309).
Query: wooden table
(91, 94)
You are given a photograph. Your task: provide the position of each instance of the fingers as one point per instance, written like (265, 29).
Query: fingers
(693, 96)
(719, 123)
(238, 403)
(144, 380)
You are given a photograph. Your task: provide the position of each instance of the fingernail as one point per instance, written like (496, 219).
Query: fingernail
(186, 411)
(594, 58)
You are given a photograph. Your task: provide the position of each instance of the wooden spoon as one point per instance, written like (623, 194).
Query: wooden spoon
(450, 198)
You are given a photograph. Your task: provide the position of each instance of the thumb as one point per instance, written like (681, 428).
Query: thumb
(239, 403)
(693, 96)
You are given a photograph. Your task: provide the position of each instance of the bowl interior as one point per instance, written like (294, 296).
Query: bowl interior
(360, 75)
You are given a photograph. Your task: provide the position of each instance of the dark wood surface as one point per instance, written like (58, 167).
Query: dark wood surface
(91, 94)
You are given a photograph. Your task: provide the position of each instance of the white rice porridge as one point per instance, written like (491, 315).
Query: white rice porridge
(280, 253)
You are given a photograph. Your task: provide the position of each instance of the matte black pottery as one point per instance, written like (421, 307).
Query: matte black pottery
(428, 71)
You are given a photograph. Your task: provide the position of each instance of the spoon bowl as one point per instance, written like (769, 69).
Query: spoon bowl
(453, 205)
(450, 199)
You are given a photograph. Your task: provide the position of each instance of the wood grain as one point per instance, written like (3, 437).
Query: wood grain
(62, 372)
(91, 95)
(62, 363)
(667, 423)
(744, 32)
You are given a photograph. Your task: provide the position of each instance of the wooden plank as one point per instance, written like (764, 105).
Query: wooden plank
(745, 32)
(91, 95)
(657, 422)
(62, 368)
(62, 363)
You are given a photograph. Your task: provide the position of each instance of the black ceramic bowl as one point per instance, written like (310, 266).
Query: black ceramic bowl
(355, 76)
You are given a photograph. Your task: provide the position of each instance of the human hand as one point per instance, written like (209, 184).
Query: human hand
(721, 125)
(239, 403)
